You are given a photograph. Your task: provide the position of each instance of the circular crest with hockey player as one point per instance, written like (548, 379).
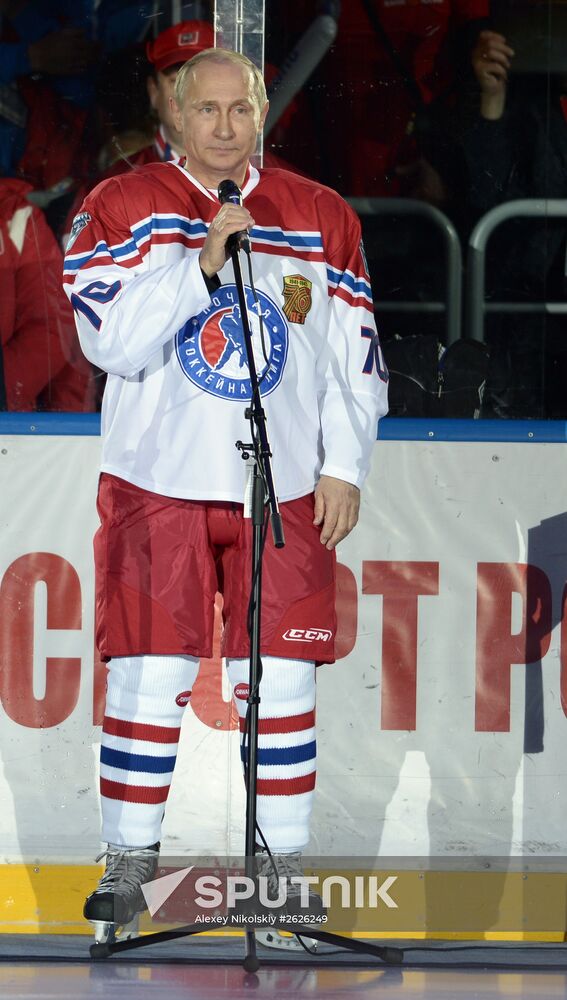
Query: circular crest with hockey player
(211, 348)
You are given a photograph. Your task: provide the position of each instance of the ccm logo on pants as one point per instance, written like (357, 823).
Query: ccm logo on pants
(308, 635)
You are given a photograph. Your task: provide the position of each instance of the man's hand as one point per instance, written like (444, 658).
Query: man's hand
(336, 507)
(231, 219)
(491, 59)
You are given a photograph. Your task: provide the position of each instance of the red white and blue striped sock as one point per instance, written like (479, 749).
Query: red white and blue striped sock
(286, 747)
(145, 700)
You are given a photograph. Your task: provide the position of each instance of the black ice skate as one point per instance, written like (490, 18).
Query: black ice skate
(299, 911)
(114, 907)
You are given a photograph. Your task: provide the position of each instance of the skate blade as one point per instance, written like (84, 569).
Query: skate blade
(106, 932)
(273, 939)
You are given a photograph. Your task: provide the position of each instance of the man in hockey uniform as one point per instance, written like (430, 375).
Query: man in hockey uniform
(156, 307)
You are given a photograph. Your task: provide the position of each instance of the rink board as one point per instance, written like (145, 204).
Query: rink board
(441, 727)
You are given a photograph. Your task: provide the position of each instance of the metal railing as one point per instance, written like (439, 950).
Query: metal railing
(451, 305)
(477, 305)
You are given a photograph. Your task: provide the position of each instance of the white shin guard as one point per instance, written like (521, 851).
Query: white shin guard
(145, 700)
(286, 747)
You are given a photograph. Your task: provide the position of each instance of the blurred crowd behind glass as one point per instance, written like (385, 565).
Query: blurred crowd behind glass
(443, 122)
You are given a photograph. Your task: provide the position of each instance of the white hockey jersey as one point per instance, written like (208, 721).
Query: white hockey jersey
(178, 382)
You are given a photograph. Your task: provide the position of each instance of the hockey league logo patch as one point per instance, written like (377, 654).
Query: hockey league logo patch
(211, 350)
(79, 223)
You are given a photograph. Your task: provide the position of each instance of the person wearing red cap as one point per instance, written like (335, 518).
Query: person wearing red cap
(167, 53)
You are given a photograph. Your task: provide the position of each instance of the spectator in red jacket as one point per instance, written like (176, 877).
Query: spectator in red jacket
(43, 367)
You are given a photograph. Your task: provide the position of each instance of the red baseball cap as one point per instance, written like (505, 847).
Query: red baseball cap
(179, 43)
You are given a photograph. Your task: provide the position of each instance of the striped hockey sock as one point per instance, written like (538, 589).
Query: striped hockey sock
(286, 747)
(145, 700)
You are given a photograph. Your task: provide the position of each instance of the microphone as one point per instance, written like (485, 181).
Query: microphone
(229, 191)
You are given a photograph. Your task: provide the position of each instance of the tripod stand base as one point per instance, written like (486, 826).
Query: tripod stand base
(100, 951)
(250, 963)
(387, 955)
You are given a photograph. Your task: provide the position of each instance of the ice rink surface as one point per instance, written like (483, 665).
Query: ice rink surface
(48, 967)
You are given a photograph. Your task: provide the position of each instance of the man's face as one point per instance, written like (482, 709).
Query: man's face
(219, 122)
(160, 90)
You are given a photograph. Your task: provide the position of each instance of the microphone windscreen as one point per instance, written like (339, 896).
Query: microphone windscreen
(229, 191)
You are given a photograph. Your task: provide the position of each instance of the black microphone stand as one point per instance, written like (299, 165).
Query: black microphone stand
(263, 495)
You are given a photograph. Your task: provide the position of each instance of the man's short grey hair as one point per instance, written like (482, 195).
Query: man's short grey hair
(221, 56)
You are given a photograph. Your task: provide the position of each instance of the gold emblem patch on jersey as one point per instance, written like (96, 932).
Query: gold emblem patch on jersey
(297, 297)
